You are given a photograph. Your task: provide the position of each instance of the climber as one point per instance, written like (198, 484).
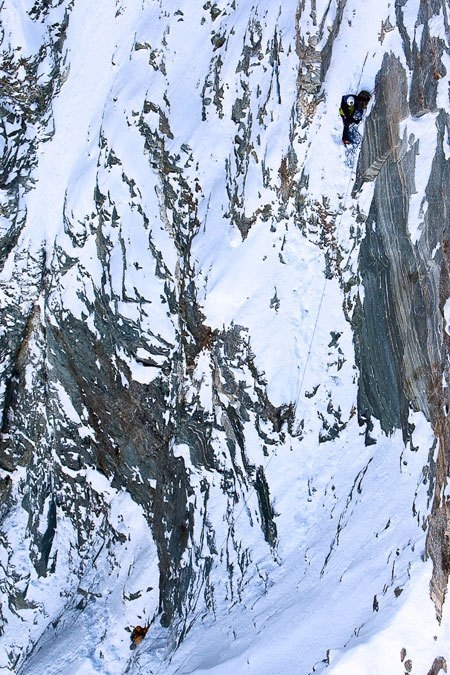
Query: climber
(138, 634)
(352, 110)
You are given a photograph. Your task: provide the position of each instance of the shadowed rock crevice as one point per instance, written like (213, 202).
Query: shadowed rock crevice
(267, 514)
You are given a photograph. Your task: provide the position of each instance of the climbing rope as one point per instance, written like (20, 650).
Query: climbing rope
(362, 70)
(251, 492)
(319, 309)
(308, 355)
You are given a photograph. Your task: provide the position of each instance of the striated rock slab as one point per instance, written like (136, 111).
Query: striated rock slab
(402, 347)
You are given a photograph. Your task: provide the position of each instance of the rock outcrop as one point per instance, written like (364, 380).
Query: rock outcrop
(401, 341)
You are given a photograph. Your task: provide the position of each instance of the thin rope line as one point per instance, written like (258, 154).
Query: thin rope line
(310, 345)
(308, 355)
(253, 489)
(245, 500)
(265, 466)
(362, 70)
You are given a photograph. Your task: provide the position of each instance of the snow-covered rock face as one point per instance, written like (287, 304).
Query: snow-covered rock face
(224, 343)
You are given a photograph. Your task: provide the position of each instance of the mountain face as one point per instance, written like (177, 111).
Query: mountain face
(224, 337)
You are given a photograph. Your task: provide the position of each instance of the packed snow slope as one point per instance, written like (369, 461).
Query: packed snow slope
(224, 337)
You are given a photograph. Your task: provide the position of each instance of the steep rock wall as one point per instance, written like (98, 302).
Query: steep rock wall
(115, 384)
(401, 343)
(103, 336)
